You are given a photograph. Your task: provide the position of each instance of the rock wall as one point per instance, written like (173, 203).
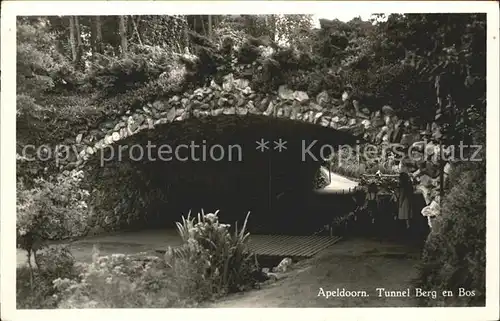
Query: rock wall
(235, 97)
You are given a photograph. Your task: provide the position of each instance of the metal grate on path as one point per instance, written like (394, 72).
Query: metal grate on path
(290, 246)
(286, 245)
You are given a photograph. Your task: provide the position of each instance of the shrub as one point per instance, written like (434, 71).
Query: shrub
(211, 263)
(288, 58)
(143, 64)
(248, 53)
(271, 76)
(43, 73)
(177, 79)
(121, 281)
(51, 210)
(55, 262)
(25, 103)
(34, 288)
(319, 80)
(321, 180)
(227, 38)
(53, 119)
(455, 252)
(212, 256)
(33, 291)
(40, 66)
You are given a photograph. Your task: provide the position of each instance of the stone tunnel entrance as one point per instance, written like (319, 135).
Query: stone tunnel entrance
(213, 163)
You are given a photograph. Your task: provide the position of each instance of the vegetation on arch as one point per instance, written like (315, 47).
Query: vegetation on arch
(130, 60)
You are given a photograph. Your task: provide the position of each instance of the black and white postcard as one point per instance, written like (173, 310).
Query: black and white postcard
(168, 160)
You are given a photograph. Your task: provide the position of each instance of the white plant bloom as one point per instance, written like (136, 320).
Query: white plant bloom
(266, 52)
(212, 217)
(192, 231)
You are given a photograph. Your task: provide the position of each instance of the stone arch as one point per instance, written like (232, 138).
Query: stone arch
(234, 103)
(213, 101)
(122, 184)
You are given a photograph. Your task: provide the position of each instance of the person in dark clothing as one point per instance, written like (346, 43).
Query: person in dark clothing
(372, 201)
(405, 198)
(398, 132)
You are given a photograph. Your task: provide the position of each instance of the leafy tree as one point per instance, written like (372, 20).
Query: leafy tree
(50, 211)
(451, 52)
(294, 30)
(41, 67)
(164, 31)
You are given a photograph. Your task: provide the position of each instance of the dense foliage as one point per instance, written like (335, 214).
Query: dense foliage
(35, 288)
(424, 66)
(53, 210)
(455, 253)
(50, 210)
(210, 263)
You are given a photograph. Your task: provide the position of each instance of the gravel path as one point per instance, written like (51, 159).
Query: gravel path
(353, 265)
(338, 182)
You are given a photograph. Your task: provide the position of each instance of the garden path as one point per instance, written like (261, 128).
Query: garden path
(338, 182)
(354, 264)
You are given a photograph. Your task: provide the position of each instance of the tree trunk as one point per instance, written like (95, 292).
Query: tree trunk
(93, 42)
(272, 27)
(250, 25)
(72, 39)
(136, 30)
(203, 25)
(441, 173)
(30, 266)
(98, 30)
(186, 33)
(210, 26)
(79, 43)
(123, 35)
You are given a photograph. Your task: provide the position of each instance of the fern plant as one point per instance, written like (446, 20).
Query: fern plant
(209, 249)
